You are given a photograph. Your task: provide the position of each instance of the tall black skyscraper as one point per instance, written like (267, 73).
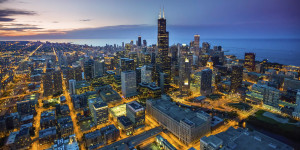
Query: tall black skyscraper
(139, 43)
(236, 77)
(89, 70)
(163, 61)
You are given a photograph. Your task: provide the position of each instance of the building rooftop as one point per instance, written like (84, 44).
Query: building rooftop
(125, 121)
(100, 105)
(234, 139)
(47, 132)
(11, 138)
(92, 135)
(118, 111)
(135, 106)
(178, 113)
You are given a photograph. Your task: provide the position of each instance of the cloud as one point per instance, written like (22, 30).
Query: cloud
(2, 1)
(55, 22)
(85, 20)
(5, 14)
(17, 27)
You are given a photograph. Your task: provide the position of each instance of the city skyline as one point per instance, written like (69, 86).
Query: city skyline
(105, 19)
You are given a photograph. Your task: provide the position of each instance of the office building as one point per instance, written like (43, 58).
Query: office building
(206, 82)
(72, 86)
(138, 72)
(65, 126)
(197, 44)
(136, 113)
(92, 139)
(99, 68)
(235, 139)
(99, 111)
(107, 94)
(126, 64)
(249, 63)
(109, 133)
(26, 106)
(128, 79)
(271, 97)
(125, 124)
(89, 70)
(134, 56)
(149, 90)
(139, 43)
(48, 135)
(144, 43)
(146, 74)
(184, 75)
(236, 77)
(185, 124)
(163, 61)
(256, 94)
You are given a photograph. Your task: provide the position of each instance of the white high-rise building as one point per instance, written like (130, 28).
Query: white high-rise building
(146, 74)
(72, 84)
(128, 79)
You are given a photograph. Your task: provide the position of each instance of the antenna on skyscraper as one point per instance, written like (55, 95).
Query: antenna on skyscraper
(163, 11)
(159, 16)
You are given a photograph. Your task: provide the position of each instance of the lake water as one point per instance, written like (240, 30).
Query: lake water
(284, 51)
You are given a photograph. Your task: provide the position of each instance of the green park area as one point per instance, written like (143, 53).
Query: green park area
(289, 130)
(240, 106)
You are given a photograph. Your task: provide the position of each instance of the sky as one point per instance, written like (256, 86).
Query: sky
(93, 19)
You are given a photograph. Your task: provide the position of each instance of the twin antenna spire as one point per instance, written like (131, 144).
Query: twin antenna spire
(159, 16)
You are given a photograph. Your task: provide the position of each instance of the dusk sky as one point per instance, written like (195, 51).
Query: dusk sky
(59, 19)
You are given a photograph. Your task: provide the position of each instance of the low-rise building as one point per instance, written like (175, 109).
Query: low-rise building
(236, 139)
(109, 133)
(136, 113)
(47, 135)
(185, 124)
(92, 139)
(126, 125)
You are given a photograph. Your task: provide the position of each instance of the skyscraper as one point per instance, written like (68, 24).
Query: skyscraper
(146, 74)
(197, 44)
(184, 72)
(206, 80)
(128, 79)
(99, 68)
(139, 43)
(163, 60)
(250, 62)
(144, 43)
(236, 77)
(89, 70)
